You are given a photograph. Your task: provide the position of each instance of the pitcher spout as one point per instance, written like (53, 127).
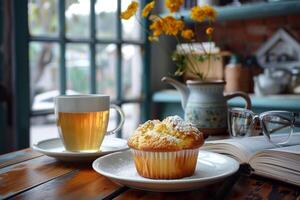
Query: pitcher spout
(183, 89)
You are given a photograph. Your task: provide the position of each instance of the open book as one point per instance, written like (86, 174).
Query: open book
(263, 157)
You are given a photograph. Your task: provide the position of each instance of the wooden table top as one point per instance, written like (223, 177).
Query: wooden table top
(30, 175)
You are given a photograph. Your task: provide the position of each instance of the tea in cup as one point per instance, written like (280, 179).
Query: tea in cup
(82, 121)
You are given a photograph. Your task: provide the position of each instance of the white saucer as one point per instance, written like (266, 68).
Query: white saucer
(211, 168)
(55, 148)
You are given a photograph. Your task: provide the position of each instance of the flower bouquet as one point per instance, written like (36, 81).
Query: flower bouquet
(187, 56)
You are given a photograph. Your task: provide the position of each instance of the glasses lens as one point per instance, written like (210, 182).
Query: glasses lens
(239, 123)
(278, 126)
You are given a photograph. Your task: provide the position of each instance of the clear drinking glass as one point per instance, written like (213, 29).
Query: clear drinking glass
(276, 126)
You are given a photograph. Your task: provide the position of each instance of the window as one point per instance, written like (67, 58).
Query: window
(81, 47)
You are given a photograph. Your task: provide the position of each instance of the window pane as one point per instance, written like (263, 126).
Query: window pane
(106, 19)
(131, 71)
(77, 18)
(44, 74)
(106, 59)
(44, 86)
(78, 67)
(132, 116)
(131, 29)
(43, 17)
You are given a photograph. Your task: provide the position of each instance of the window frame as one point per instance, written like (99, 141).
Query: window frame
(92, 42)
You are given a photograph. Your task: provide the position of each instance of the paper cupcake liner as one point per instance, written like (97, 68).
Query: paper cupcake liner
(165, 165)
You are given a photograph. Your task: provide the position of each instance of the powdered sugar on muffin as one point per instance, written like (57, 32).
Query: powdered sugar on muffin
(180, 125)
(171, 134)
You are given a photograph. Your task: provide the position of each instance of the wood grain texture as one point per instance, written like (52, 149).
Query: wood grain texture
(261, 188)
(17, 157)
(81, 184)
(28, 175)
(144, 195)
(19, 177)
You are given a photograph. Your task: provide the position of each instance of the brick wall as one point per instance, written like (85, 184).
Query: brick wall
(244, 37)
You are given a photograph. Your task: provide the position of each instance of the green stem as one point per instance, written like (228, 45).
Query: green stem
(194, 58)
(209, 55)
(186, 54)
(197, 37)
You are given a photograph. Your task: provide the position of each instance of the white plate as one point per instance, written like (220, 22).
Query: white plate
(55, 148)
(211, 168)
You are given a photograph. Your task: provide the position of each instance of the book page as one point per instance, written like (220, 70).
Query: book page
(242, 149)
(279, 163)
(289, 149)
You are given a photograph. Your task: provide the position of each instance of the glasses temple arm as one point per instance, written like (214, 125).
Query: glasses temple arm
(297, 123)
(284, 125)
(278, 128)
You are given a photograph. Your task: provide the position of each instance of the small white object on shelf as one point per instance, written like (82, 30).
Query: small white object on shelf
(208, 2)
(209, 47)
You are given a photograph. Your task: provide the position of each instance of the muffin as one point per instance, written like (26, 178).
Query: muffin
(166, 149)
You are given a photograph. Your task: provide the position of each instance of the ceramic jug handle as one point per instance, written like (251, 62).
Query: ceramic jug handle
(240, 94)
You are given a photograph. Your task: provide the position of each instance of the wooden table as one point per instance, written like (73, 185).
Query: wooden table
(30, 175)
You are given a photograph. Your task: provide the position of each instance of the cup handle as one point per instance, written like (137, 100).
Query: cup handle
(239, 94)
(122, 115)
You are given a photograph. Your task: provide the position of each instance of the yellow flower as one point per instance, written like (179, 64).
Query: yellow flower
(157, 27)
(167, 25)
(172, 26)
(130, 11)
(147, 9)
(210, 12)
(198, 14)
(187, 34)
(153, 39)
(209, 31)
(174, 5)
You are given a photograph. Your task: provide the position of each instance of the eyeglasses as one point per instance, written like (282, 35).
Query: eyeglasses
(276, 126)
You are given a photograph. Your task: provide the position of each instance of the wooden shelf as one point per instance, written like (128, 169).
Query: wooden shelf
(252, 11)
